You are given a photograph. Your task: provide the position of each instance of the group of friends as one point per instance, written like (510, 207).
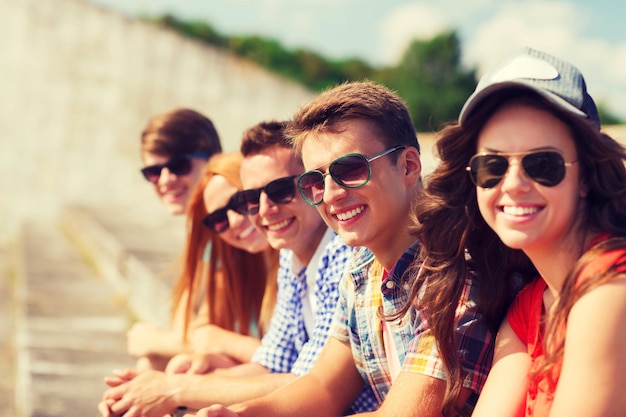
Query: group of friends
(324, 275)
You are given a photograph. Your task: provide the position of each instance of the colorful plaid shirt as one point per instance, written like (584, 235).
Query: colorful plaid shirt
(287, 347)
(361, 298)
(475, 344)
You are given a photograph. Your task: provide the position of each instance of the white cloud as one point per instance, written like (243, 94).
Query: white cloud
(556, 28)
(542, 25)
(406, 23)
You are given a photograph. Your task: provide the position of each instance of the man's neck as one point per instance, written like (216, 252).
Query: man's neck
(304, 256)
(388, 256)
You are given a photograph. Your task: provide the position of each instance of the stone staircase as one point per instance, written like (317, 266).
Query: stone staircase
(69, 291)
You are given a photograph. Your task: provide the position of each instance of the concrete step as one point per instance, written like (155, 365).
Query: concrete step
(135, 250)
(70, 327)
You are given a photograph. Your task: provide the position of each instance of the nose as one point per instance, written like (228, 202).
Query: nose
(166, 176)
(235, 220)
(515, 178)
(266, 205)
(333, 191)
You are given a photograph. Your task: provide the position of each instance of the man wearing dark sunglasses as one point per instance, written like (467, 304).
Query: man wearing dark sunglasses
(175, 147)
(363, 173)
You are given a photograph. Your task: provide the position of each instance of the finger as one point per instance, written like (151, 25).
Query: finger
(113, 394)
(103, 408)
(179, 364)
(113, 381)
(121, 407)
(127, 374)
(199, 366)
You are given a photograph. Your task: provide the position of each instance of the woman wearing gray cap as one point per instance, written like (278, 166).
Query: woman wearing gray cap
(527, 181)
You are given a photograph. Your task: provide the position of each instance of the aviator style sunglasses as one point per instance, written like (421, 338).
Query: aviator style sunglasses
(349, 171)
(280, 191)
(178, 165)
(217, 220)
(547, 168)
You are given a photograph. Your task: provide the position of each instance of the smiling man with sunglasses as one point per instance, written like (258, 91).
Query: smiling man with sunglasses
(312, 256)
(175, 147)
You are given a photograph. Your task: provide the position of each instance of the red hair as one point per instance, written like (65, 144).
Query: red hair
(239, 287)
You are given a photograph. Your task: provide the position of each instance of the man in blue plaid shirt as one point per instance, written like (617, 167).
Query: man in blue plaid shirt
(312, 261)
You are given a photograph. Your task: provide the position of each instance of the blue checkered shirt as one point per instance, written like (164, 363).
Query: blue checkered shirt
(287, 347)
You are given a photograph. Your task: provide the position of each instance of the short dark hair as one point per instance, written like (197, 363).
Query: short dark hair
(355, 100)
(264, 135)
(180, 131)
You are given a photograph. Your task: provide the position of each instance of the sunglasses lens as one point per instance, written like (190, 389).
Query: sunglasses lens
(179, 165)
(546, 168)
(152, 173)
(311, 187)
(217, 221)
(486, 171)
(281, 191)
(246, 202)
(350, 171)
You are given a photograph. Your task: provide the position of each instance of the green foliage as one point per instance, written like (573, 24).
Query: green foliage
(429, 76)
(606, 117)
(430, 79)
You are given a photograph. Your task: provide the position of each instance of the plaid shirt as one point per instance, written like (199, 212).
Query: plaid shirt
(475, 344)
(361, 298)
(287, 347)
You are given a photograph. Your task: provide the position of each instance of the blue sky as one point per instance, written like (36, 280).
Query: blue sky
(589, 34)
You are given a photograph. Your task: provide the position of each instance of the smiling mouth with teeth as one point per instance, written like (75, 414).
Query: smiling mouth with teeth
(247, 232)
(519, 211)
(278, 226)
(347, 215)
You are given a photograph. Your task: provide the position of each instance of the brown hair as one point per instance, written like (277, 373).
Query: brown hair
(264, 135)
(178, 132)
(355, 100)
(240, 286)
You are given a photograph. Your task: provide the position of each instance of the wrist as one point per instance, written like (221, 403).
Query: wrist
(175, 390)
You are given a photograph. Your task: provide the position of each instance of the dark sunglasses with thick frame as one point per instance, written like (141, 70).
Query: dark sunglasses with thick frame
(178, 165)
(349, 171)
(280, 191)
(217, 220)
(547, 168)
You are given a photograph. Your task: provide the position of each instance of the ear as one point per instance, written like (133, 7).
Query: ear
(583, 189)
(412, 165)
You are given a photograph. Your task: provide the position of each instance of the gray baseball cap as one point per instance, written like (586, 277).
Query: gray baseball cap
(555, 79)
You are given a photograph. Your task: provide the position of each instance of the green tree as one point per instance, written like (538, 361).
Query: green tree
(430, 79)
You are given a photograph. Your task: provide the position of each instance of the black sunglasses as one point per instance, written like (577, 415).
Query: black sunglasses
(349, 171)
(178, 165)
(547, 168)
(217, 220)
(280, 191)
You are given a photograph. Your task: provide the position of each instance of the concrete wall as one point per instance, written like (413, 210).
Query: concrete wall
(77, 85)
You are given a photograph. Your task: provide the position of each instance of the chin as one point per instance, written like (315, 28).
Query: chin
(175, 210)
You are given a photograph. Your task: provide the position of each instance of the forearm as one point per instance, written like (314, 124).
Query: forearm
(197, 391)
(147, 340)
(304, 397)
(237, 346)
